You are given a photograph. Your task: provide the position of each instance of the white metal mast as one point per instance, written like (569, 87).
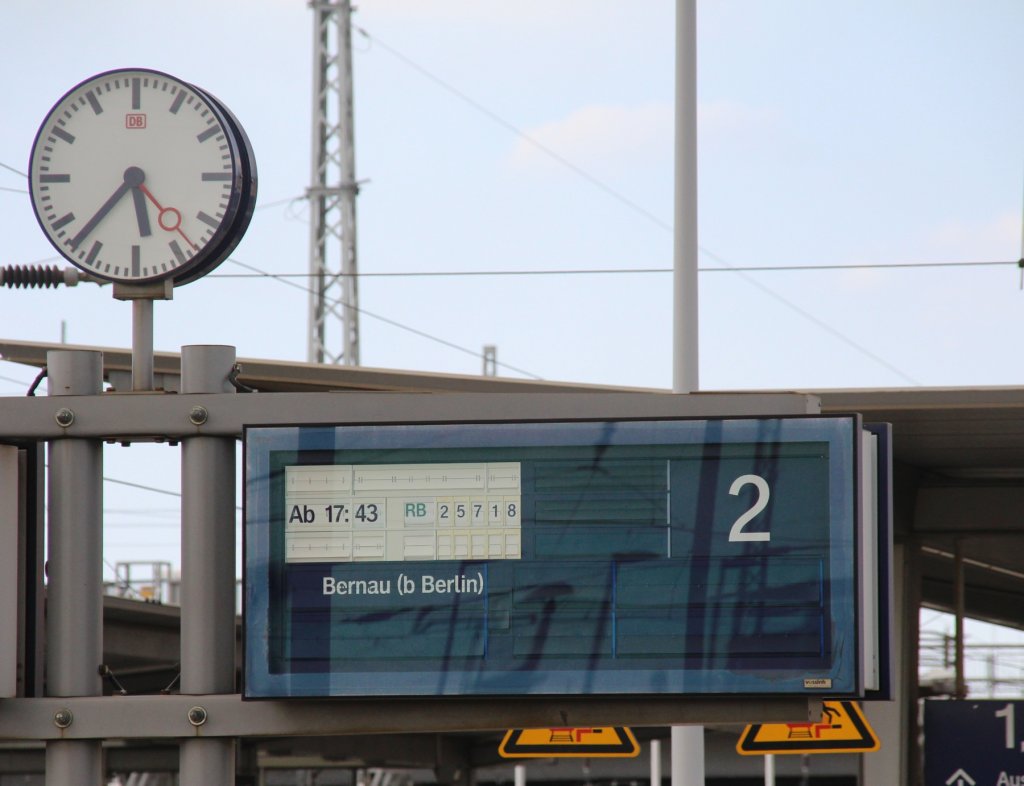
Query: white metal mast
(334, 300)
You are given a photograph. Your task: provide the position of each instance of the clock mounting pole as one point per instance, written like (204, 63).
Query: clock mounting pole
(142, 297)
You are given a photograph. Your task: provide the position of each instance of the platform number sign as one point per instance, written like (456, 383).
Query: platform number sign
(970, 743)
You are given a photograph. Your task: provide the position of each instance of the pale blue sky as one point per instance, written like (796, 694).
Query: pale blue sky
(870, 132)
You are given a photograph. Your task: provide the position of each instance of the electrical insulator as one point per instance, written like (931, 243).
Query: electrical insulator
(38, 276)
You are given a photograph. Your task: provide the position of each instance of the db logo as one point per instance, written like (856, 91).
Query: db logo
(133, 120)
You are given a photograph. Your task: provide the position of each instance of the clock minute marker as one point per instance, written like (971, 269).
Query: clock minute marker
(208, 133)
(62, 222)
(178, 253)
(179, 99)
(90, 260)
(60, 133)
(208, 219)
(94, 102)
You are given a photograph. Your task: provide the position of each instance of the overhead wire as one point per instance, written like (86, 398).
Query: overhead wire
(144, 487)
(821, 324)
(22, 383)
(386, 320)
(279, 202)
(625, 270)
(12, 169)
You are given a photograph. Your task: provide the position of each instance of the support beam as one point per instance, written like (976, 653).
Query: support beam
(166, 417)
(166, 717)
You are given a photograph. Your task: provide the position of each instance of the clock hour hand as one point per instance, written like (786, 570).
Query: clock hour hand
(141, 214)
(133, 178)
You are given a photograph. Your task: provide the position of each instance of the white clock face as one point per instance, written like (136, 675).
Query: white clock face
(136, 176)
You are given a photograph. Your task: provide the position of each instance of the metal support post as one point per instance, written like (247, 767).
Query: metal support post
(687, 741)
(960, 691)
(891, 720)
(687, 756)
(685, 322)
(142, 297)
(142, 344)
(519, 775)
(207, 565)
(74, 617)
(11, 570)
(655, 762)
(490, 360)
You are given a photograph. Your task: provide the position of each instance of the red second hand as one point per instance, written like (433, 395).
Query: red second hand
(175, 226)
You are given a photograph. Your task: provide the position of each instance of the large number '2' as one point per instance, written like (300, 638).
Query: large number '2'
(763, 495)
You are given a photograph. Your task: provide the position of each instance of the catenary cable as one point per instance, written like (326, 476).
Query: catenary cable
(387, 320)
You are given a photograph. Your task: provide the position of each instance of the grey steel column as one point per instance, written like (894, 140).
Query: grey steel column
(207, 564)
(687, 742)
(685, 322)
(74, 592)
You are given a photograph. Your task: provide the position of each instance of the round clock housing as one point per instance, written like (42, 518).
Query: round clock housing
(137, 176)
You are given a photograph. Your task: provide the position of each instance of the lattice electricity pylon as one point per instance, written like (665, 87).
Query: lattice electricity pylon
(334, 299)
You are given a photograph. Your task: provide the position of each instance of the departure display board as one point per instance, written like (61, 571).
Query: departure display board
(554, 558)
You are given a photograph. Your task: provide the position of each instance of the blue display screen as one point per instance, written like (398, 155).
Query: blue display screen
(552, 558)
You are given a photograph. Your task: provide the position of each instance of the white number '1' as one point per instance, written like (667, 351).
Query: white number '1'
(1007, 713)
(763, 495)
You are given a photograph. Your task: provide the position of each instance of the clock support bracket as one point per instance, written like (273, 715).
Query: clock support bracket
(142, 297)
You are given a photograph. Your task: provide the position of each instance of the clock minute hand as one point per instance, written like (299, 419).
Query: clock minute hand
(133, 178)
(105, 208)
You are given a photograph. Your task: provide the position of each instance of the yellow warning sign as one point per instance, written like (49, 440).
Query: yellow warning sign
(592, 742)
(842, 729)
